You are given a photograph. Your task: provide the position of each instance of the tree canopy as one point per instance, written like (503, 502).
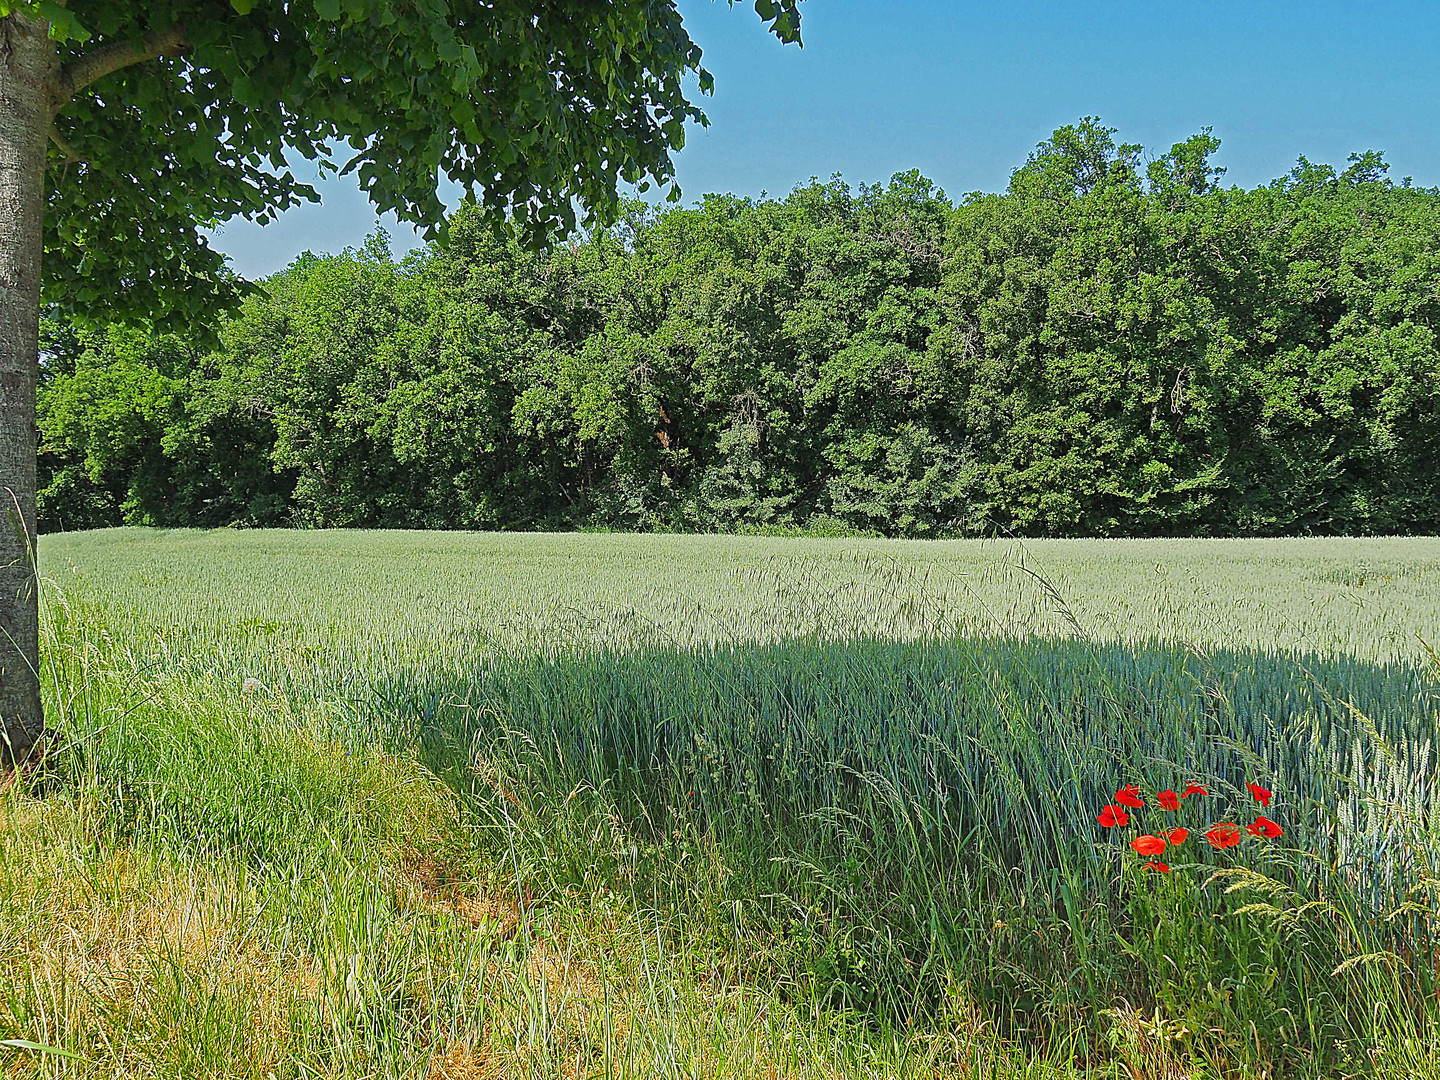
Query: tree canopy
(174, 115)
(1115, 345)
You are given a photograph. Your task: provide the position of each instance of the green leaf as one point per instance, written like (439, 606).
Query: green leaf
(26, 1044)
(64, 26)
(328, 9)
(243, 7)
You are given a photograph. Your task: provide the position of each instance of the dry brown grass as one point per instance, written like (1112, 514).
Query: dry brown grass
(107, 943)
(425, 882)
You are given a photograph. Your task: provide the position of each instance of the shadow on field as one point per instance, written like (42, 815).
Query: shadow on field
(888, 821)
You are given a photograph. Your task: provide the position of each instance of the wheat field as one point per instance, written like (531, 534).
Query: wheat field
(409, 804)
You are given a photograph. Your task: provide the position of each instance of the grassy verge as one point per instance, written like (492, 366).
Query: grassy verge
(269, 904)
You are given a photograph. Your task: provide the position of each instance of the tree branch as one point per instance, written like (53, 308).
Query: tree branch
(63, 145)
(107, 59)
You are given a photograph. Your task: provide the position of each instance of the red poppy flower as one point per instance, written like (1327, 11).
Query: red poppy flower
(1148, 845)
(1262, 795)
(1223, 835)
(1158, 867)
(1193, 789)
(1168, 800)
(1129, 796)
(1177, 836)
(1112, 816)
(1264, 827)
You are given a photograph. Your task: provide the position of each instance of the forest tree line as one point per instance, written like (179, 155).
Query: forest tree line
(1117, 344)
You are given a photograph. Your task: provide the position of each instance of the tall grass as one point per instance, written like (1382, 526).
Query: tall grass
(829, 815)
(908, 822)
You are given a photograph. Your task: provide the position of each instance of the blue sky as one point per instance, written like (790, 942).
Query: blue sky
(964, 90)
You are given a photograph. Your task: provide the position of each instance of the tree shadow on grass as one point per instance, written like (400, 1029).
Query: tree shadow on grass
(997, 735)
(895, 815)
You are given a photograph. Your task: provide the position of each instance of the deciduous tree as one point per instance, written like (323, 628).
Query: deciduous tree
(127, 126)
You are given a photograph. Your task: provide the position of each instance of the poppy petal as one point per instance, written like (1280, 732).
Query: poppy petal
(1112, 816)
(1129, 796)
(1148, 845)
(1264, 827)
(1223, 835)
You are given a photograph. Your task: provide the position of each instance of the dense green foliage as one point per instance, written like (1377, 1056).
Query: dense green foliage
(177, 114)
(1109, 347)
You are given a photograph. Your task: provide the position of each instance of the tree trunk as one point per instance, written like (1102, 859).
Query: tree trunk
(27, 63)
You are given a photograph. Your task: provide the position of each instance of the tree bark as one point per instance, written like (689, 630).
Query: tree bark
(27, 69)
